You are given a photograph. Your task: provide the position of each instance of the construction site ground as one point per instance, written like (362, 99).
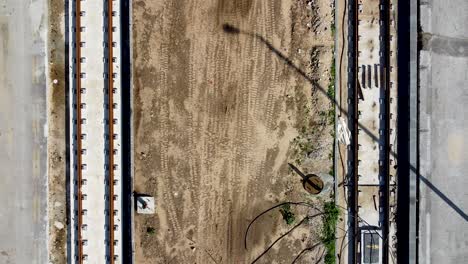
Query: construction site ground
(219, 111)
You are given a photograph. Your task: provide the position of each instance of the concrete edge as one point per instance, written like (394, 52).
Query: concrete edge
(413, 135)
(132, 128)
(48, 97)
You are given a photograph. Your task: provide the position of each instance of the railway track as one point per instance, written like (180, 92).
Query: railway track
(371, 150)
(110, 109)
(79, 134)
(96, 144)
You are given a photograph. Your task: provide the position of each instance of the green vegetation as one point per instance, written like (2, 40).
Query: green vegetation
(150, 230)
(306, 147)
(288, 216)
(331, 171)
(328, 236)
(333, 73)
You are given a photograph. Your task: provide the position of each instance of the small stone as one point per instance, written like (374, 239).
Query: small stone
(58, 225)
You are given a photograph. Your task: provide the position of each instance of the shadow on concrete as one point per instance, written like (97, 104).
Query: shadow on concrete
(444, 197)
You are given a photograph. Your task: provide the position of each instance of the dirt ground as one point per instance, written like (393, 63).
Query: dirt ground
(219, 111)
(56, 134)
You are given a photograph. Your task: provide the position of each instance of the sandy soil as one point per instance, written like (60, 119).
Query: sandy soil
(218, 115)
(56, 134)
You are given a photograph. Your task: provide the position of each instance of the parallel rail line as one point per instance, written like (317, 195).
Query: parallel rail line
(387, 17)
(355, 204)
(110, 84)
(78, 127)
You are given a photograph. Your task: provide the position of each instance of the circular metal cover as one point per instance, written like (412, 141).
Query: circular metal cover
(313, 184)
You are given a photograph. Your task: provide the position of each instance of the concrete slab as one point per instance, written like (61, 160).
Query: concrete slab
(443, 229)
(371, 105)
(145, 205)
(23, 171)
(369, 206)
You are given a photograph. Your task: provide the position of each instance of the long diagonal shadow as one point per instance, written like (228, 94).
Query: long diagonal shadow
(233, 30)
(444, 197)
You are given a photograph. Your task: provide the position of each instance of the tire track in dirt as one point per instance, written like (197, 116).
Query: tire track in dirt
(194, 171)
(166, 189)
(215, 136)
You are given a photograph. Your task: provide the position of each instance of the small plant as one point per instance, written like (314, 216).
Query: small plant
(306, 147)
(288, 216)
(328, 236)
(150, 230)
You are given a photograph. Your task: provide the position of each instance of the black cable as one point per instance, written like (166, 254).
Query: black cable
(385, 242)
(310, 206)
(305, 250)
(271, 208)
(285, 234)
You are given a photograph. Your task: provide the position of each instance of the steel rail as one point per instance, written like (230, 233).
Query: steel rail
(77, 107)
(110, 87)
(355, 136)
(386, 12)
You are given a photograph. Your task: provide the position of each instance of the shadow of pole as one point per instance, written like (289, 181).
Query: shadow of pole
(444, 197)
(230, 29)
(233, 30)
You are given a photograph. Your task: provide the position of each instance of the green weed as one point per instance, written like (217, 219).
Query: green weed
(328, 236)
(288, 216)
